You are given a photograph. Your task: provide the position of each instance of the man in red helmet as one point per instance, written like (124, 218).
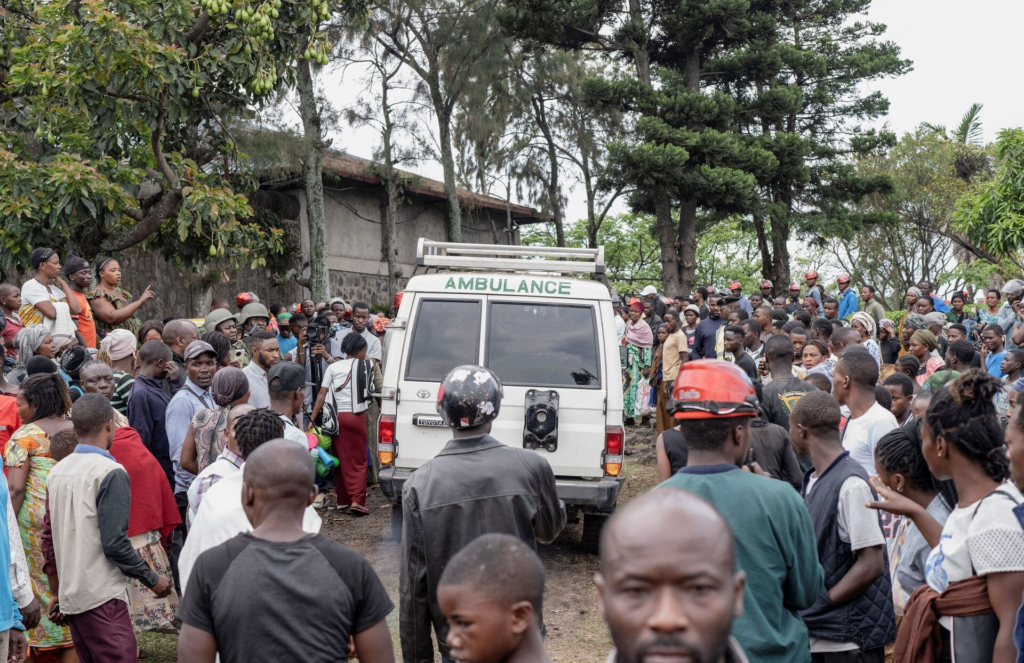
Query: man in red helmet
(811, 278)
(715, 403)
(767, 290)
(736, 288)
(795, 300)
(848, 301)
(243, 298)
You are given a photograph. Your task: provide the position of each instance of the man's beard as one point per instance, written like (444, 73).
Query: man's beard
(664, 643)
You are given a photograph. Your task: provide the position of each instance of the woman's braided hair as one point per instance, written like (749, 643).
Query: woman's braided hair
(899, 451)
(47, 395)
(964, 414)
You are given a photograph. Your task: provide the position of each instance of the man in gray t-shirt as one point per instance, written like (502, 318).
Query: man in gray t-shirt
(248, 599)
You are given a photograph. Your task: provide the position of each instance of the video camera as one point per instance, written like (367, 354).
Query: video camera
(317, 334)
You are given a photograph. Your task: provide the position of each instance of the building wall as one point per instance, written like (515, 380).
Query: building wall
(354, 218)
(353, 215)
(180, 293)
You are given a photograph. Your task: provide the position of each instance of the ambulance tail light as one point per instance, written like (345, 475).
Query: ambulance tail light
(386, 439)
(614, 443)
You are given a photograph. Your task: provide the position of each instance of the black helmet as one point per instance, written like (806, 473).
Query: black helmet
(469, 396)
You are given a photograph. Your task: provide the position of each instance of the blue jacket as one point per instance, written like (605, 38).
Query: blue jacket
(939, 305)
(10, 616)
(848, 303)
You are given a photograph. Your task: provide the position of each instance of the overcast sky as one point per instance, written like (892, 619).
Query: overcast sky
(963, 52)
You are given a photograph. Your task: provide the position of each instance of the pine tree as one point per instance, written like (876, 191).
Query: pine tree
(800, 84)
(685, 151)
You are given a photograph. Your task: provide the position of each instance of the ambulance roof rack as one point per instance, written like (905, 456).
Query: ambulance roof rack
(504, 258)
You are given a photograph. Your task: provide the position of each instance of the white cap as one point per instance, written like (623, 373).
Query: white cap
(649, 290)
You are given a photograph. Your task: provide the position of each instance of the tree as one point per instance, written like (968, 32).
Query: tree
(631, 251)
(991, 214)
(967, 132)
(447, 44)
(115, 124)
(620, 32)
(805, 79)
(684, 150)
(381, 107)
(918, 239)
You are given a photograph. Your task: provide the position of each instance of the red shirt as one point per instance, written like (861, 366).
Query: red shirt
(84, 320)
(10, 331)
(9, 419)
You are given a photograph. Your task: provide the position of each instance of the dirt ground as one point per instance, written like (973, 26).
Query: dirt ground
(576, 633)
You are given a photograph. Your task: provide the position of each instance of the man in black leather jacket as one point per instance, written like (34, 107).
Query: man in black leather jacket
(476, 485)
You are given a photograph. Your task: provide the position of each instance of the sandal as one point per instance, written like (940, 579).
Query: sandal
(318, 503)
(358, 510)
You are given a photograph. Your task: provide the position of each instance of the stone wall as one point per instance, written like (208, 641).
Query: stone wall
(357, 287)
(180, 293)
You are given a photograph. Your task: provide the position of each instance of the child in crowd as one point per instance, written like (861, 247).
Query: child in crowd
(901, 389)
(62, 444)
(492, 593)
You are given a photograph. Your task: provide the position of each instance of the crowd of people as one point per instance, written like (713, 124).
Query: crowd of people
(900, 435)
(842, 487)
(124, 439)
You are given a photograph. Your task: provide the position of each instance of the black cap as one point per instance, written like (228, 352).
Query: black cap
(286, 376)
(726, 301)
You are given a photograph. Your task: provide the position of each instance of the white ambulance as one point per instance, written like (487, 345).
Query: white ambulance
(548, 337)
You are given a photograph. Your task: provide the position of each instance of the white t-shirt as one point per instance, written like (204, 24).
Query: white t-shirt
(373, 348)
(221, 467)
(990, 540)
(33, 292)
(859, 527)
(221, 517)
(293, 433)
(862, 434)
(334, 377)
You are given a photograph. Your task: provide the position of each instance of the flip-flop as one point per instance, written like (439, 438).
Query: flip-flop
(358, 510)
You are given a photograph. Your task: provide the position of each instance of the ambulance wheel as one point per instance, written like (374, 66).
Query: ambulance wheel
(592, 526)
(396, 522)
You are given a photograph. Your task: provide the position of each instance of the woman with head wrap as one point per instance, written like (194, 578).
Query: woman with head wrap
(45, 294)
(207, 434)
(864, 325)
(639, 341)
(43, 404)
(117, 350)
(112, 305)
(79, 276)
(888, 342)
(30, 342)
(922, 344)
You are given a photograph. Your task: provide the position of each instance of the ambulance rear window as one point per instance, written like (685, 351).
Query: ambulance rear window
(543, 345)
(446, 334)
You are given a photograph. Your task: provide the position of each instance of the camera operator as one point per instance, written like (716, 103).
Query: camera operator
(316, 350)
